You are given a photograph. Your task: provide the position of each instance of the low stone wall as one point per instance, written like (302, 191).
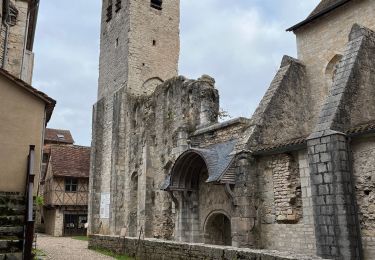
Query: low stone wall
(154, 249)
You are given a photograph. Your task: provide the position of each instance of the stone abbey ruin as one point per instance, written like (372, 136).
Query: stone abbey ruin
(169, 181)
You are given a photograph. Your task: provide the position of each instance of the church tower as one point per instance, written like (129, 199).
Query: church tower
(139, 49)
(139, 45)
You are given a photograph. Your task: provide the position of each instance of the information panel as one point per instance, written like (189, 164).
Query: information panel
(105, 200)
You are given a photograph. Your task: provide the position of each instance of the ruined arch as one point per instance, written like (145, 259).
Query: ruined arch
(189, 170)
(218, 228)
(150, 85)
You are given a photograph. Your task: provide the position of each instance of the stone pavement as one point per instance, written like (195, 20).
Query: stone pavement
(61, 248)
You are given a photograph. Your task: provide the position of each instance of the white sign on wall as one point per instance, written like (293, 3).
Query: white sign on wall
(105, 201)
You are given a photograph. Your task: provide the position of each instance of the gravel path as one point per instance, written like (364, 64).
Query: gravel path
(61, 248)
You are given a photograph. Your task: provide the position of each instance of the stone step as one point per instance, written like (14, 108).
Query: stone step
(11, 256)
(10, 198)
(13, 210)
(11, 245)
(16, 231)
(12, 220)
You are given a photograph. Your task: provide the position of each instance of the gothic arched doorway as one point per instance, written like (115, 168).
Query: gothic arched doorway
(217, 230)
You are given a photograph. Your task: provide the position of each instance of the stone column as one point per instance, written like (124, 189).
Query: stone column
(243, 221)
(333, 197)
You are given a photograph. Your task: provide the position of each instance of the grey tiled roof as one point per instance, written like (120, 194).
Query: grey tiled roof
(217, 158)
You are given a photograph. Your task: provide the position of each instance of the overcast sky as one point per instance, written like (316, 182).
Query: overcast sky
(238, 42)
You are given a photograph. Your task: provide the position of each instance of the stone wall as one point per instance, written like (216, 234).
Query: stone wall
(286, 189)
(298, 234)
(316, 53)
(54, 222)
(141, 137)
(152, 249)
(364, 176)
(16, 40)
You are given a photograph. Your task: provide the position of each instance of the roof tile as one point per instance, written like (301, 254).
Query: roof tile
(70, 161)
(58, 136)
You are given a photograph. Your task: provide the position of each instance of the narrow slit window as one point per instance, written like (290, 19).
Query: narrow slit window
(157, 4)
(109, 11)
(118, 5)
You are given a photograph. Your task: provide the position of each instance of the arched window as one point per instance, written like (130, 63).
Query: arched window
(157, 4)
(331, 69)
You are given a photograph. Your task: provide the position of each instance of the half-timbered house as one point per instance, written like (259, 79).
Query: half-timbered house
(65, 190)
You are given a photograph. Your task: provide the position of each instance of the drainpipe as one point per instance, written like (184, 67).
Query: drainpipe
(5, 21)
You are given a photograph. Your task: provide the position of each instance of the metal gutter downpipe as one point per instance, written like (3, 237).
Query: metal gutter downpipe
(5, 21)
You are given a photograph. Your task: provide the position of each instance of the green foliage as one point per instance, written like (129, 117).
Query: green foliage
(38, 254)
(223, 114)
(39, 200)
(112, 254)
(82, 238)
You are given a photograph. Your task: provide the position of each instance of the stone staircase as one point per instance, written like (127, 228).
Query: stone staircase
(12, 212)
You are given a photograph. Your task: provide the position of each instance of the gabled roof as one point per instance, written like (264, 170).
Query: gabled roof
(50, 103)
(324, 7)
(58, 136)
(70, 161)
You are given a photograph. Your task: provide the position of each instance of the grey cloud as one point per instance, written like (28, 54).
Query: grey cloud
(240, 44)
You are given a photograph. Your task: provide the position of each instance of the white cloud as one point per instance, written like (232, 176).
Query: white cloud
(240, 43)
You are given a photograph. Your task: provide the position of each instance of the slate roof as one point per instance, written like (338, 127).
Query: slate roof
(362, 129)
(289, 144)
(70, 161)
(324, 7)
(58, 136)
(50, 103)
(217, 158)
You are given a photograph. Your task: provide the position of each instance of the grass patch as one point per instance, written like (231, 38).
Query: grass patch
(38, 254)
(112, 254)
(82, 238)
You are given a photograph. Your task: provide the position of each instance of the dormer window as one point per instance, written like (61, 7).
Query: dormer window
(157, 4)
(60, 137)
(118, 5)
(109, 11)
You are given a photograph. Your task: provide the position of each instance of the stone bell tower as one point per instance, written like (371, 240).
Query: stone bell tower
(139, 49)
(139, 45)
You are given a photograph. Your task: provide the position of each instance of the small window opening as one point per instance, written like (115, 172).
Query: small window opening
(157, 4)
(13, 14)
(71, 185)
(116, 44)
(118, 5)
(109, 11)
(153, 42)
(61, 137)
(45, 158)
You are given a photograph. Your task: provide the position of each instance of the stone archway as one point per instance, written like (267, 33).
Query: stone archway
(217, 229)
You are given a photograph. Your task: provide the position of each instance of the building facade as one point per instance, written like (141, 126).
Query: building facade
(65, 185)
(24, 113)
(297, 176)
